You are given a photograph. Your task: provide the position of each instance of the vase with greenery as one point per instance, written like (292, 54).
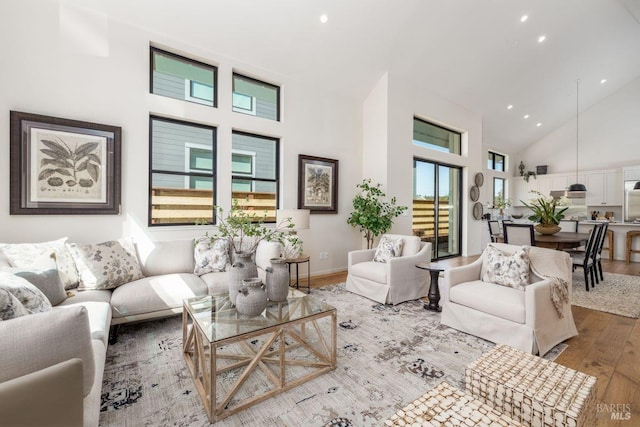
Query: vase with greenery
(372, 214)
(547, 212)
(501, 203)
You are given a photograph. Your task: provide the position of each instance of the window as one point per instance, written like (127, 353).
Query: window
(496, 161)
(255, 173)
(178, 77)
(498, 190)
(260, 99)
(437, 207)
(435, 137)
(182, 173)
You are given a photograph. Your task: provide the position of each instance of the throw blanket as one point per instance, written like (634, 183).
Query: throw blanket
(545, 263)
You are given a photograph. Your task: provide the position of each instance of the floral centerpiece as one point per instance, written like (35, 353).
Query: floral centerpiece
(547, 212)
(501, 203)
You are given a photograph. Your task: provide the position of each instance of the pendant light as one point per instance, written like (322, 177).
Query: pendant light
(577, 188)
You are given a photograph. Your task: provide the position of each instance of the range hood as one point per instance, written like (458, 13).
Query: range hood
(568, 194)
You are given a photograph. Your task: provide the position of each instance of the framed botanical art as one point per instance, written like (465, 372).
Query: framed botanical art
(317, 184)
(62, 166)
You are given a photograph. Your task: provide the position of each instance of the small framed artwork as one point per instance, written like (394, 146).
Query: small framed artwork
(63, 167)
(317, 184)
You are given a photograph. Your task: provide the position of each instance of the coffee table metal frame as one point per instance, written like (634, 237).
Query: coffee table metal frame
(289, 320)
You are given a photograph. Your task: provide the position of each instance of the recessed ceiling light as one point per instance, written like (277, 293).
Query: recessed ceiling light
(509, 107)
(539, 124)
(526, 116)
(603, 81)
(524, 18)
(542, 38)
(324, 18)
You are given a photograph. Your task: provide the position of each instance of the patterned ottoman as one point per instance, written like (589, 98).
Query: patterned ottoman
(532, 390)
(446, 405)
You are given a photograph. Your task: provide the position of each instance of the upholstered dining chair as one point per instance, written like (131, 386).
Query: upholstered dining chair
(570, 225)
(518, 234)
(494, 230)
(392, 280)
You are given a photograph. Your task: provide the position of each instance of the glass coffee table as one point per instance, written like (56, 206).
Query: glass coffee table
(237, 361)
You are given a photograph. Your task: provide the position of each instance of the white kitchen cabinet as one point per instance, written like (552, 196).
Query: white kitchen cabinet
(544, 185)
(559, 182)
(632, 174)
(522, 190)
(604, 188)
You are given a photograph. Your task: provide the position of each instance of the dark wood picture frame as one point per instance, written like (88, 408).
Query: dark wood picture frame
(317, 184)
(63, 167)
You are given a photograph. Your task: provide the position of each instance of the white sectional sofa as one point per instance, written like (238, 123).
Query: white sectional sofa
(52, 362)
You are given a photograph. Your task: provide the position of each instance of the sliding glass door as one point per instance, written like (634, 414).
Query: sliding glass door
(437, 206)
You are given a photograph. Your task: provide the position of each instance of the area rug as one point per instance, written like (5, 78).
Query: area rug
(617, 294)
(387, 357)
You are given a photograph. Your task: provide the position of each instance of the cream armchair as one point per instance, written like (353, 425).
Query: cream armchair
(524, 319)
(395, 281)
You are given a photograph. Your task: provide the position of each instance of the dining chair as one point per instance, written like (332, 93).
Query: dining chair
(518, 234)
(597, 256)
(570, 225)
(494, 230)
(586, 259)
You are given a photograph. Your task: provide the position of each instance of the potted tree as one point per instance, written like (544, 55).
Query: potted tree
(371, 213)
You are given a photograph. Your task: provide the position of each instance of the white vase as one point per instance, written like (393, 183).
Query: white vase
(243, 268)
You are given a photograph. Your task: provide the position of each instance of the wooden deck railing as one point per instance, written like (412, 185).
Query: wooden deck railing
(424, 218)
(187, 206)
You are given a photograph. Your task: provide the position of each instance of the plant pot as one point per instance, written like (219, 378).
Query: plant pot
(241, 269)
(547, 229)
(277, 280)
(251, 299)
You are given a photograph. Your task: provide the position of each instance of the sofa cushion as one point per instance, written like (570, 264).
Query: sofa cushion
(99, 314)
(210, 255)
(31, 343)
(106, 265)
(25, 255)
(371, 270)
(219, 282)
(75, 296)
(166, 257)
(18, 297)
(387, 249)
(155, 293)
(497, 300)
(506, 268)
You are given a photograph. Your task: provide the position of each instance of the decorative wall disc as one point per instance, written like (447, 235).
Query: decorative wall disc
(479, 179)
(474, 193)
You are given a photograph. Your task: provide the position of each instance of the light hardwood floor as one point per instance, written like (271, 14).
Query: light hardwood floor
(607, 347)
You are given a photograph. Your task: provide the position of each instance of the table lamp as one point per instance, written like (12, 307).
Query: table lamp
(300, 220)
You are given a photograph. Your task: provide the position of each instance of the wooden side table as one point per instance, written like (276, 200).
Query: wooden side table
(434, 270)
(297, 261)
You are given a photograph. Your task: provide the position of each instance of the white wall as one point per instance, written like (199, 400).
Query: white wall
(101, 75)
(609, 137)
(404, 101)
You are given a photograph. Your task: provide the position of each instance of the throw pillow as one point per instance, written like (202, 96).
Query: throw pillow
(507, 269)
(23, 255)
(44, 276)
(106, 265)
(210, 256)
(18, 297)
(387, 249)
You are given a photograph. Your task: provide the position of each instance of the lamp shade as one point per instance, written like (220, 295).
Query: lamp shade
(299, 217)
(576, 187)
(637, 186)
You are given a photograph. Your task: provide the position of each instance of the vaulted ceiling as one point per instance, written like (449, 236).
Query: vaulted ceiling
(476, 53)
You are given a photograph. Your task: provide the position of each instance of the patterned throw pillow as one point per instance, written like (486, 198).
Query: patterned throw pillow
(18, 297)
(106, 265)
(210, 256)
(23, 255)
(507, 269)
(44, 276)
(387, 249)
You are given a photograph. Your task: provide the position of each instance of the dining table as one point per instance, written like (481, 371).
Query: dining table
(561, 240)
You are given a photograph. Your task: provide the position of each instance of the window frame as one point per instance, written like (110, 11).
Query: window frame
(504, 189)
(253, 112)
(459, 153)
(187, 174)
(254, 179)
(492, 160)
(188, 83)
